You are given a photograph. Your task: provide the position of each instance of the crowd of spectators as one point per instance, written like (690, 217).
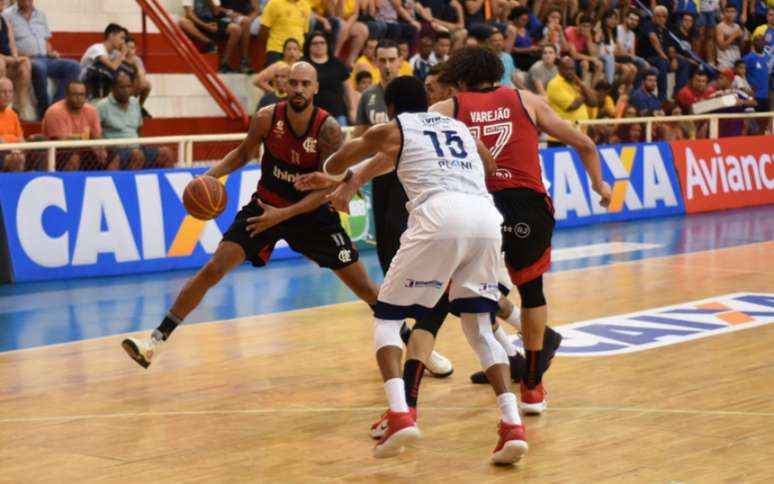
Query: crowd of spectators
(101, 96)
(593, 59)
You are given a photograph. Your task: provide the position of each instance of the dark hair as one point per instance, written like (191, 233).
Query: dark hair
(118, 76)
(635, 12)
(436, 69)
(585, 19)
(603, 86)
(608, 34)
(113, 28)
(362, 75)
(312, 36)
(474, 66)
(730, 5)
(650, 72)
(737, 62)
(288, 41)
(442, 35)
(386, 44)
(74, 82)
(700, 72)
(406, 94)
(518, 12)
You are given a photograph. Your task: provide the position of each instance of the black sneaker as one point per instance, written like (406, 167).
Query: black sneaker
(246, 68)
(210, 48)
(518, 364)
(145, 113)
(551, 342)
(226, 69)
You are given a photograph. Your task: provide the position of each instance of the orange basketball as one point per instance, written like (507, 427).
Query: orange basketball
(204, 198)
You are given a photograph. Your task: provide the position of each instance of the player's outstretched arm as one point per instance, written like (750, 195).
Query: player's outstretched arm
(490, 164)
(547, 120)
(239, 156)
(384, 138)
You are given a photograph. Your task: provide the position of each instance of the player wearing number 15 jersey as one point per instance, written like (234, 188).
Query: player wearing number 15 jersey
(508, 122)
(452, 241)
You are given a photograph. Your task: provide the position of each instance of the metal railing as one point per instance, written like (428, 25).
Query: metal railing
(200, 150)
(714, 121)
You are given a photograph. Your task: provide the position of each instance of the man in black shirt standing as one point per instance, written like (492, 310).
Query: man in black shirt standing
(658, 48)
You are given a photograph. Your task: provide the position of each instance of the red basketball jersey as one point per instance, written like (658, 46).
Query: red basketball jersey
(498, 118)
(287, 155)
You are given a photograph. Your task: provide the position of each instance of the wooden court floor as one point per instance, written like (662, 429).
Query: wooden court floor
(289, 398)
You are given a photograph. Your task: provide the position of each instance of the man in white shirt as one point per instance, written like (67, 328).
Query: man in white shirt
(33, 40)
(102, 60)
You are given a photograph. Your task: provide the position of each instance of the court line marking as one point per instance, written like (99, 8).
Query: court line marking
(598, 250)
(270, 411)
(232, 320)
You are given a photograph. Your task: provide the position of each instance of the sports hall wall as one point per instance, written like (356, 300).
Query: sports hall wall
(78, 224)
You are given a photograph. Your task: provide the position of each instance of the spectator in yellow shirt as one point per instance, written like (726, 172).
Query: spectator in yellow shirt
(367, 62)
(281, 20)
(568, 96)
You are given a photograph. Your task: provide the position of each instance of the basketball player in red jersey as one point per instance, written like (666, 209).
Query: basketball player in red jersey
(509, 122)
(297, 138)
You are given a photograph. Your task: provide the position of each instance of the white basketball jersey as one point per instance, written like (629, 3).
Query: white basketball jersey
(438, 154)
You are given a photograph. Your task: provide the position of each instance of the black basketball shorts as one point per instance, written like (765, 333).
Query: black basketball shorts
(317, 235)
(527, 229)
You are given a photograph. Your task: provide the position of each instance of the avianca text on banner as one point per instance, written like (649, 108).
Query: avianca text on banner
(642, 177)
(726, 172)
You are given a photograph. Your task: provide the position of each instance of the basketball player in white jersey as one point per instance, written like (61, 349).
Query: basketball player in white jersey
(453, 240)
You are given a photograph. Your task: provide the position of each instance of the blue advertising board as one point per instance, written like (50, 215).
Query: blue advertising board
(63, 225)
(642, 177)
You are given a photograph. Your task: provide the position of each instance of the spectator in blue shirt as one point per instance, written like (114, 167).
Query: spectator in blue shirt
(645, 99)
(32, 35)
(757, 64)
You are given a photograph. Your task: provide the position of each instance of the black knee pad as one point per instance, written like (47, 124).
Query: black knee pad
(433, 319)
(532, 293)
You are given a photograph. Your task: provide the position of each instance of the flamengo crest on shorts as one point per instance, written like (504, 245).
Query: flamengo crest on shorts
(627, 333)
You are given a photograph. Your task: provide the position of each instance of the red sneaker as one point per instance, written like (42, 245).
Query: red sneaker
(512, 444)
(401, 431)
(533, 400)
(379, 427)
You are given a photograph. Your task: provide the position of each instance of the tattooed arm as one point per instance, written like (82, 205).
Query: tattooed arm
(329, 140)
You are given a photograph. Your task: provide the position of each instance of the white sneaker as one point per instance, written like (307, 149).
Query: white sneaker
(143, 350)
(439, 366)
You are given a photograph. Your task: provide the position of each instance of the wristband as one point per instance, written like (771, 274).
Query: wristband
(344, 176)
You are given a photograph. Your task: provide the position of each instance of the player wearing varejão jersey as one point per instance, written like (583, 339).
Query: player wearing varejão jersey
(508, 122)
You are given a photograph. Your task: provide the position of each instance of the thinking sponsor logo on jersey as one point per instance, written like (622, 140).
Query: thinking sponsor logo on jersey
(654, 328)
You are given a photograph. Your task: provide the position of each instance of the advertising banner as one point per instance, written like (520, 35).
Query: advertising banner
(65, 225)
(726, 172)
(642, 177)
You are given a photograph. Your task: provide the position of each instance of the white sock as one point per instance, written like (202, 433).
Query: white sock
(396, 394)
(508, 409)
(514, 319)
(505, 341)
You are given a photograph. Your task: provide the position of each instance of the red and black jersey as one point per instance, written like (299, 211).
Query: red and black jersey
(499, 119)
(287, 155)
